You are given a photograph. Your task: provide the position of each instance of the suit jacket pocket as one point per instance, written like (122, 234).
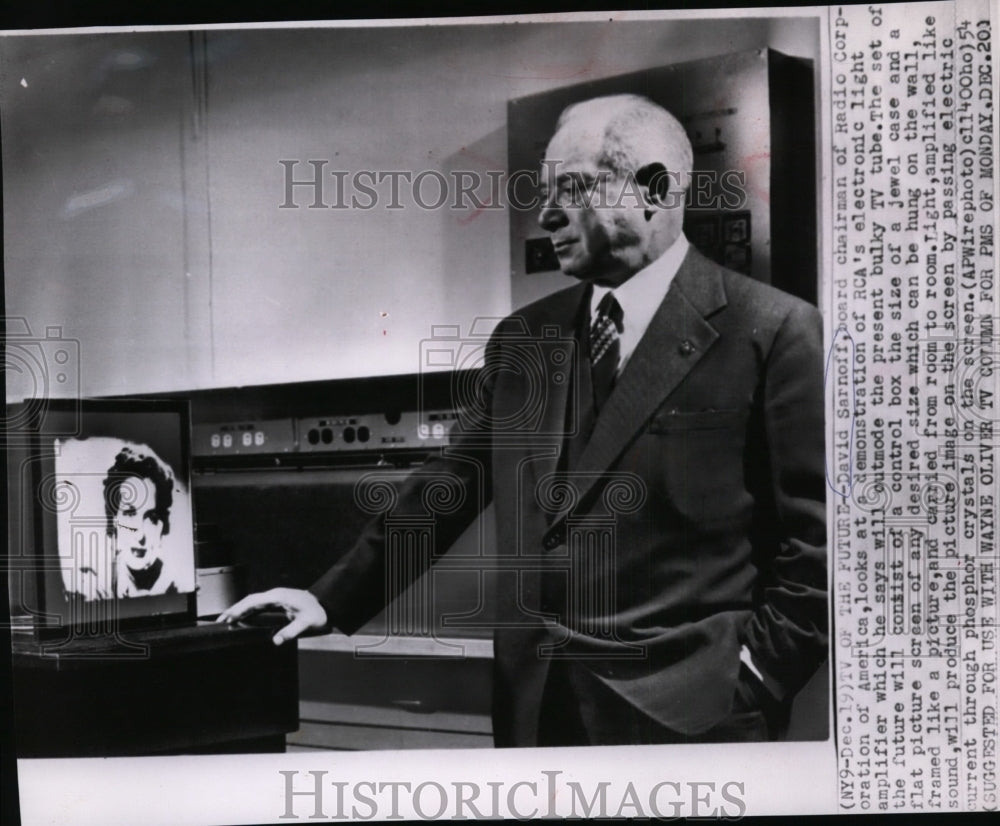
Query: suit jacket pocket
(666, 421)
(699, 458)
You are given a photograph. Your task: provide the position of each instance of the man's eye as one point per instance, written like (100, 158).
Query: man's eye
(568, 192)
(574, 191)
(127, 527)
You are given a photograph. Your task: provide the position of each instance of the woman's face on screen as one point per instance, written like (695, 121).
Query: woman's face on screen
(138, 525)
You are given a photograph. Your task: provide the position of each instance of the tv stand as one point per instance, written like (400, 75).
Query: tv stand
(197, 690)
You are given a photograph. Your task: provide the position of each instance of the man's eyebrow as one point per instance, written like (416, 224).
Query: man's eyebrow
(574, 175)
(569, 177)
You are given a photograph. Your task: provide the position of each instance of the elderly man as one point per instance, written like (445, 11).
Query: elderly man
(660, 514)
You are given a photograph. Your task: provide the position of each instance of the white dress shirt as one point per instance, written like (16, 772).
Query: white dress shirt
(641, 296)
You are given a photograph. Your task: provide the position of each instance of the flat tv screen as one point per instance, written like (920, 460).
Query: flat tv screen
(101, 529)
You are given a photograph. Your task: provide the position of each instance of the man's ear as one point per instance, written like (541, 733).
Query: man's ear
(655, 178)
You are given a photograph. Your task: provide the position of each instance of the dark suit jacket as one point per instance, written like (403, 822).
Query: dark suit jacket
(691, 522)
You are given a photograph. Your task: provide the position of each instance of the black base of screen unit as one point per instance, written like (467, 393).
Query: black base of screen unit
(201, 690)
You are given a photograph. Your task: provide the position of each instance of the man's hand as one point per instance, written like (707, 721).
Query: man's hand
(301, 607)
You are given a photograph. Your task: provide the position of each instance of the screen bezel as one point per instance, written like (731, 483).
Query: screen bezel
(52, 419)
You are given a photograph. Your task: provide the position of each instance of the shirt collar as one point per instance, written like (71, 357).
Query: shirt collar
(640, 296)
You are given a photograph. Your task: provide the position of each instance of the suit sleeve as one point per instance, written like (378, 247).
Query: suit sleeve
(452, 489)
(787, 634)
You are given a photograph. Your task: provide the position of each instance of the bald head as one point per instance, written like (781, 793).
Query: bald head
(613, 183)
(629, 132)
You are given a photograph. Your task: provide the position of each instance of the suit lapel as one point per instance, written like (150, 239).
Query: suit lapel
(675, 341)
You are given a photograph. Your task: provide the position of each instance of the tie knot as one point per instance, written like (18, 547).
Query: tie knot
(609, 307)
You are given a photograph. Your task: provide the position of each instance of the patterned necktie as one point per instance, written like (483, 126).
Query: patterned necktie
(605, 347)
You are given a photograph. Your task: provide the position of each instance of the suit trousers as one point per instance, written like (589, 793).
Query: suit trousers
(578, 709)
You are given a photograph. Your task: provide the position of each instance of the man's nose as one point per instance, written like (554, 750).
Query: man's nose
(551, 216)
